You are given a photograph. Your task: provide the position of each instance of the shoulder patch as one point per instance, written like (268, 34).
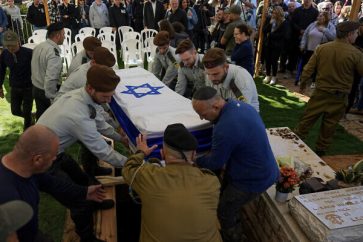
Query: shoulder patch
(56, 52)
(92, 111)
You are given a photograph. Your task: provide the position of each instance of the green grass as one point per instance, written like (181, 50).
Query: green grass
(279, 108)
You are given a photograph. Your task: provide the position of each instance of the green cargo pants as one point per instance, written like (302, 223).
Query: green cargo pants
(330, 105)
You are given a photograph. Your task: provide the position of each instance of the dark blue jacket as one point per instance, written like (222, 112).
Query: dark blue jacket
(242, 55)
(20, 67)
(240, 143)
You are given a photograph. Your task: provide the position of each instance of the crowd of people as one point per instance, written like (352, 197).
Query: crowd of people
(204, 52)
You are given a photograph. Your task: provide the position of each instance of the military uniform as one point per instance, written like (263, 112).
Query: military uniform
(238, 84)
(165, 67)
(335, 63)
(76, 80)
(46, 68)
(80, 121)
(79, 59)
(190, 79)
(179, 201)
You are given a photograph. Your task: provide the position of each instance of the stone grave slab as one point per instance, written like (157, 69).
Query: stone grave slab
(330, 216)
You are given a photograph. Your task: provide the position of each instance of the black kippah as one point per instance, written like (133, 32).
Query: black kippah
(178, 137)
(54, 27)
(204, 93)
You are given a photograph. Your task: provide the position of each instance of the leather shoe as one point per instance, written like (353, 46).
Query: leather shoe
(105, 204)
(102, 171)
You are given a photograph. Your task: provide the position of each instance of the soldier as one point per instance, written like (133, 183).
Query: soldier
(165, 66)
(229, 80)
(191, 74)
(193, 191)
(80, 121)
(46, 68)
(101, 56)
(333, 85)
(18, 60)
(89, 44)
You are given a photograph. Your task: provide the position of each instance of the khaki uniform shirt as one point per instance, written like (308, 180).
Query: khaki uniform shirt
(46, 67)
(179, 201)
(79, 59)
(164, 62)
(244, 82)
(74, 117)
(335, 63)
(194, 75)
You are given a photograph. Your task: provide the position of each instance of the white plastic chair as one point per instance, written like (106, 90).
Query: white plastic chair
(150, 51)
(107, 36)
(132, 53)
(30, 45)
(147, 33)
(122, 30)
(106, 30)
(40, 32)
(79, 37)
(66, 56)
(76, 47)
(67, 37)
(36, 39)
(87, 31)
(112, 48)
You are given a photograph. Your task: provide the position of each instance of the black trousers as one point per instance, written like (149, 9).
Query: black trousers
(41, 101)
(65, 167)
(21, 103)
(271, 60)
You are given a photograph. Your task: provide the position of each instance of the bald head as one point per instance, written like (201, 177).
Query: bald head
(37, 139)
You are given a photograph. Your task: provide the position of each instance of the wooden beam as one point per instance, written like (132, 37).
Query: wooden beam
(46, 10)
(354, 11)
(260, 36)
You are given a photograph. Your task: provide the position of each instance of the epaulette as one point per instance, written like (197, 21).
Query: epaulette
(207, 171)
(56, 52)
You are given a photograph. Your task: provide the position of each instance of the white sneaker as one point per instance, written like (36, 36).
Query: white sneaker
(273, 81)
(267, 79)
(312, 86)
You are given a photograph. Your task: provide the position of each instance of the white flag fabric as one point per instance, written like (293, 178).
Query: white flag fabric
(143, 104)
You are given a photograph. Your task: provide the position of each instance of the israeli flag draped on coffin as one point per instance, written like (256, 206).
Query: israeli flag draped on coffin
(143, 104)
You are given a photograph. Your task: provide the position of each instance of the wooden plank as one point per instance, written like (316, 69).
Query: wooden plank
(105, 220)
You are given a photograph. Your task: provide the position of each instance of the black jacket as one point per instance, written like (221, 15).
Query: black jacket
(36, 15)
(70, 11)
(20, 68)
(178, 16)
(118, 16)
(151, 21)
(278, 38)
(302, 18)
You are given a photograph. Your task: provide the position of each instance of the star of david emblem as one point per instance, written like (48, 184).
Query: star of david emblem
(142, 90)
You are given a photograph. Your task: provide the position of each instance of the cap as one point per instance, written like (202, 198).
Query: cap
(227, 11)
(235, 9)
(91, 43)
(10, 38)
(178, 137)
(103, 56)
(214, 57)
(13, 216)
(58, 26)
(348, 26)
(102, 78)
(204, 93)
(184, 46)
(161, 38)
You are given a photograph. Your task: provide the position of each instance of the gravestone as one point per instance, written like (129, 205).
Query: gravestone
(335, 215)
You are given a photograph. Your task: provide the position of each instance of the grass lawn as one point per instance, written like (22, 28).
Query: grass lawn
(279, 108)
